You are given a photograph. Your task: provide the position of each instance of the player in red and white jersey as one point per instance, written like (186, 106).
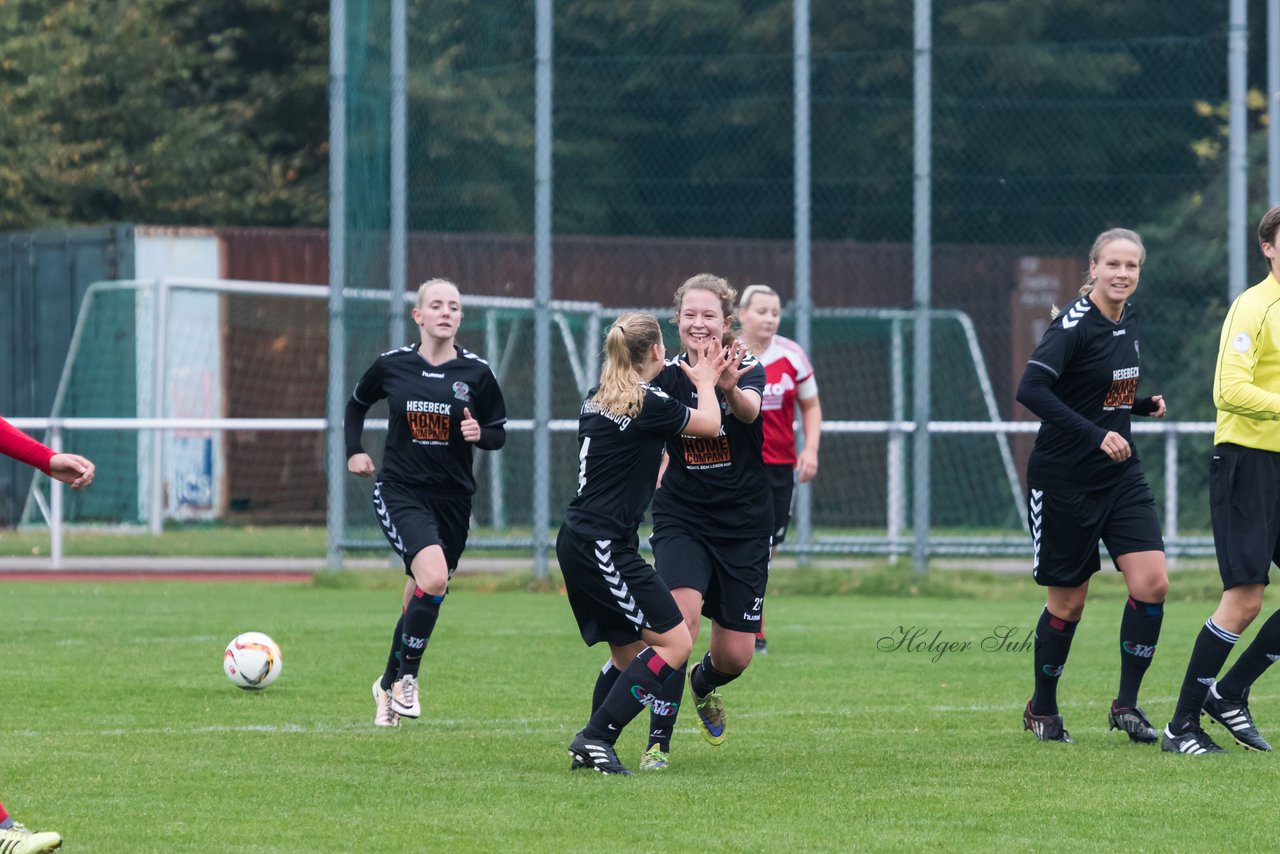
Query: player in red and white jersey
(789, 382)
(77, 471)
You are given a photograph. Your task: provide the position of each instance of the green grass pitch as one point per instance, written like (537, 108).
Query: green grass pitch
(120, 730)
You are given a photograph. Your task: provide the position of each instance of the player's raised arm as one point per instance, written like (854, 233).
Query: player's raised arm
(712, 361)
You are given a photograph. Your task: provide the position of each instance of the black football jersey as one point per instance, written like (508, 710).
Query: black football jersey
(424, 446)
(1095, 362)
(618, 460)
(718, 485)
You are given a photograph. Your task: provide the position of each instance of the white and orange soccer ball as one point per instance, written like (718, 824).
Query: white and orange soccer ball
(252, 661)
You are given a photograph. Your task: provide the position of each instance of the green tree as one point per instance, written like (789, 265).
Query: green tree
(1185, 280)
(161, 111)
(1052, 120)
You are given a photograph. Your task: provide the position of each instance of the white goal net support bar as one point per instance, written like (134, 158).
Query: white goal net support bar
(170, 331)
(890, 542)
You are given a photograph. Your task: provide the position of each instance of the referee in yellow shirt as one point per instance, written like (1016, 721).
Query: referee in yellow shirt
(1244, 500)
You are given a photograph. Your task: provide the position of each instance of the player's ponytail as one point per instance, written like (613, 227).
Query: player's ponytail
(1108, 236)
(626, 347)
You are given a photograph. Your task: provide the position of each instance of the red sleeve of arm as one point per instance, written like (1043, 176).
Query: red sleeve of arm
(14, 443)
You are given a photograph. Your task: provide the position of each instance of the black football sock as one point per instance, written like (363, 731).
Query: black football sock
(419, 621)
(1253, 662)
(1053, 645)
(393, 657)
(1139, 631)
(639, 685)
(662, 715)
(705, 678)
(1213, 645)
(604, 682)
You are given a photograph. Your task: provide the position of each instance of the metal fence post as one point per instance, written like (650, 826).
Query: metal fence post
(337, 503)
(923, 271)
(803, 247)
(542, 293)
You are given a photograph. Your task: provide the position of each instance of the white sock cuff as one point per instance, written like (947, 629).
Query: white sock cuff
(1223, 634)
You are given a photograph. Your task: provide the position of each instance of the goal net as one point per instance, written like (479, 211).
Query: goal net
(204, 402)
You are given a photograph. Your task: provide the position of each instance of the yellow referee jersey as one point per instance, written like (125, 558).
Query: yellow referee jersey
(1246, 383)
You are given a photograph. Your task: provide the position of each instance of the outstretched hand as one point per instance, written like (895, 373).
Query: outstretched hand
(469, 426)
(71, 468)
(734, 369)
(712, 361)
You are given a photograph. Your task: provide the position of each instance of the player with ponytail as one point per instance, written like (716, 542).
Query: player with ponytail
(615, 594)
(1086, 484)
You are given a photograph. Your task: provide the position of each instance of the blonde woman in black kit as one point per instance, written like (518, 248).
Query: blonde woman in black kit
(615, 595)
(442, 401)
(1086, 484)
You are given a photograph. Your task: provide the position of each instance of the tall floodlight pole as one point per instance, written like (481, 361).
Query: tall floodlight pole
(399, 174)
(922, 263)
(337, 464)
(542, 291)
(803, 246)
(1273, 103)
(1237, 157)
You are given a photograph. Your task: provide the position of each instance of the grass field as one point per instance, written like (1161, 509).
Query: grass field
(297, 541)
(119, 729)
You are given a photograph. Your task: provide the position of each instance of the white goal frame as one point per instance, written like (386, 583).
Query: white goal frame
(583, 363)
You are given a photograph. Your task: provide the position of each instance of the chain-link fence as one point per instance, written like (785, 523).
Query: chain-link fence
(673, 152)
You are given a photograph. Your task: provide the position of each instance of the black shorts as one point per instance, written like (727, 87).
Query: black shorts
(613, 592)
(1244, 502)
(782, 486)
(1066, 527)
(411, 521)
(731, 574)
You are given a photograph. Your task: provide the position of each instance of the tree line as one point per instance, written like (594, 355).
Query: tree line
(672, 117)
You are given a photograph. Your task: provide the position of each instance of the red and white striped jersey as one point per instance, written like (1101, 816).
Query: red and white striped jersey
(788, 376)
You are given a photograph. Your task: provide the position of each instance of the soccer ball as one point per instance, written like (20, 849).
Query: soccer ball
(252, 661)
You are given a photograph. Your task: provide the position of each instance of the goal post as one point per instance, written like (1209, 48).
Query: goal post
(203, 402)
(183, 354)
